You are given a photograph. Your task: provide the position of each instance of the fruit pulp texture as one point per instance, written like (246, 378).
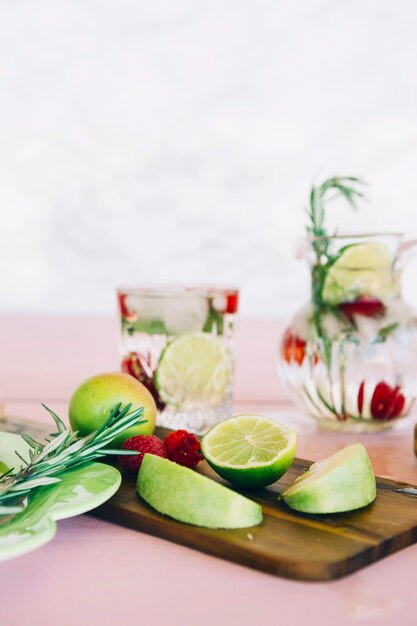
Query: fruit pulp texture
(250, 450)
(149, 325)
(190, 497)
(342, 482)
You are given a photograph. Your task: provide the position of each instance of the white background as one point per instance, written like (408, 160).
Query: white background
(176, 140)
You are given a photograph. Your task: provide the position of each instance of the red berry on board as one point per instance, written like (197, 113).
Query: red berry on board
(364, 305)
(144, 444)
(183, 448)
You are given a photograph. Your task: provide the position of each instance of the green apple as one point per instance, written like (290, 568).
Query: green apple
(343, 482)
(190, 497)
(92, 402)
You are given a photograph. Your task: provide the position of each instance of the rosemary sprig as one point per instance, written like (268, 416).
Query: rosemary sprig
(345, 186)
(385, 332)
(65, 450)
(349, 188)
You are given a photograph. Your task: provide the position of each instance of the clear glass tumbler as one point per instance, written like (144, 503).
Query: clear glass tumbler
(178, 342)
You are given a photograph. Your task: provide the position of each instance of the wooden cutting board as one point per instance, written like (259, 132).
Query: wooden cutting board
(287, 543)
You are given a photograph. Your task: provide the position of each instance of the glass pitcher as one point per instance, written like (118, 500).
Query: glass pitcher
(349, 356)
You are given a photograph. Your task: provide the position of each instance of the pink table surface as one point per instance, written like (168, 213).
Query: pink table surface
(94, 572)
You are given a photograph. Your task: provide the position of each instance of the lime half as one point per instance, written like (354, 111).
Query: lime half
(250, 450)
(195, 369)
(361, 269)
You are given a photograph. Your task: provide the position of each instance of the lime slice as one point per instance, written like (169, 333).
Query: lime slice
(361, 269)
(195, 370)
(344, 481)
(250, 450)
(190, 497)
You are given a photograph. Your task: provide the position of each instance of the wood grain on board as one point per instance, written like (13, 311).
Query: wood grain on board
(287, 543)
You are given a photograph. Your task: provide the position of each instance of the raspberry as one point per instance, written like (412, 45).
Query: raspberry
(183, 448)
(144, 444)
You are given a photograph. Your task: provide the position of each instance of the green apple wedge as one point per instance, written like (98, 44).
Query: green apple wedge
(345, 481)
(93, 400)
(190, 497)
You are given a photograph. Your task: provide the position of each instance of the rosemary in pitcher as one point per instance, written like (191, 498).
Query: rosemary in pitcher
(346, 187)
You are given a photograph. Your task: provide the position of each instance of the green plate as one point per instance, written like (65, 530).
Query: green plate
(78, 492)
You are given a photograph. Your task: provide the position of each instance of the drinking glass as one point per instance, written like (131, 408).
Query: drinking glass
(178, 341)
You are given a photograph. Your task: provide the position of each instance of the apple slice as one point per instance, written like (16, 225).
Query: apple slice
(343, 482)
(190, 497)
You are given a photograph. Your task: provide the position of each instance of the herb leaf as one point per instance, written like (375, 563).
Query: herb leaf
(66, 450)
(385, 331)
(345, 186)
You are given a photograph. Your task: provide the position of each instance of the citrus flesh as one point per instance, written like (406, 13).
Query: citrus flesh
(195, 369)
(345, 481)
(250, 450)
(361, 269)
(190, 497)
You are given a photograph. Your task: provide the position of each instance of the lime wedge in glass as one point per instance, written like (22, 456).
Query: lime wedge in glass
(195, 369)
(250, 450)
(361, 269)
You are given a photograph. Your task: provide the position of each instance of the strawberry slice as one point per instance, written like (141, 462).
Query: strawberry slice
(293, 348)
(138, 367)
(387, 402)
(364, 305)
(232, 302)
(130, 316)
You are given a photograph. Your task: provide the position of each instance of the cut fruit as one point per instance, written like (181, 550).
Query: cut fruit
(190, 497)
(194, 370)
(363, 269)
(250, 450)
(344, 481)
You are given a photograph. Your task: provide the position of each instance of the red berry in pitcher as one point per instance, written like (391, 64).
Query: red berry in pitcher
(293, 348)
(364, 305)
(387, 402)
